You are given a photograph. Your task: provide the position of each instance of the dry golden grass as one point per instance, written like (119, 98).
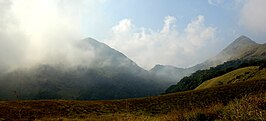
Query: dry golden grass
(207, 104)
(250, 107)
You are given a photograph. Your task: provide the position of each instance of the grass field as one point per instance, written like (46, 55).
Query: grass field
(242, 74)
(206, 104)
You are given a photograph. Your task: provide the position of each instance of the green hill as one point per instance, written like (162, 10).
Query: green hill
(194, 80)
(242, 74)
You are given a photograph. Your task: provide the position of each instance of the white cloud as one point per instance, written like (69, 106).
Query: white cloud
(148, 47)
(253, 16)
(168, 23)
(197, 34)
(123, 26)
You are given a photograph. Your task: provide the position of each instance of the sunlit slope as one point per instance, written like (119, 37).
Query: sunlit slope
(239, 75)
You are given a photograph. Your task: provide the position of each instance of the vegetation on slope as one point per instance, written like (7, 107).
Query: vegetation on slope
(197, 78)
(205, 104)
(242, 74)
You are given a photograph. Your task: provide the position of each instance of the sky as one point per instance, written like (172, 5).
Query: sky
(181, 33)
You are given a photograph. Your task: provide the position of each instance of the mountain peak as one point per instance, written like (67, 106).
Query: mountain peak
(240, 44)
(242, 40)
(241, 47)
(93, 42)
(160, 67)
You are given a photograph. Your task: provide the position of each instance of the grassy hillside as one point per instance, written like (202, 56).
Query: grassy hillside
(242, 74)
(206, 104)
(194, 80)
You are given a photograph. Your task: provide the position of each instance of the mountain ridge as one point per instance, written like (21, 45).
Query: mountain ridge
(109, 75)
(241, 48)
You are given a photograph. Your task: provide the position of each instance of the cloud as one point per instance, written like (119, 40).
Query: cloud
(42, 31)
(197, 34)
(148, 47)
(123, 26)
(253, 16)
(168, 23)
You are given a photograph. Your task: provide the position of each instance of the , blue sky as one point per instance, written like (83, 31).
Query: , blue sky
(226, 17)
(150, 13)
(221, 14)
(171, 32)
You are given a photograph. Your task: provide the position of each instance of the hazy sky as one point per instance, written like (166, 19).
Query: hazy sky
(172, 32)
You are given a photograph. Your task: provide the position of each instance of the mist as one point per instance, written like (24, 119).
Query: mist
(40, 32)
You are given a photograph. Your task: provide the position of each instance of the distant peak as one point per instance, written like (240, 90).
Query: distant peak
(243, 36)
(243, 39)
(163, 66)
(158, 67)
(93, 42)
(238, 46)
(90, 39)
